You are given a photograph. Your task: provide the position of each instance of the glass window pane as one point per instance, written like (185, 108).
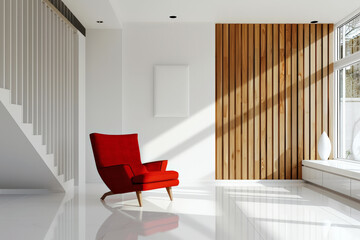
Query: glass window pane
(349, 112)
(349, 38)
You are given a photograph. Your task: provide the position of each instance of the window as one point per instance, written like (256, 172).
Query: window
(348, 89)
(349, 111)
(349, 38)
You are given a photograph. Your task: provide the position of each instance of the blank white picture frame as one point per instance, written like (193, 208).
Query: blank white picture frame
(171, 90)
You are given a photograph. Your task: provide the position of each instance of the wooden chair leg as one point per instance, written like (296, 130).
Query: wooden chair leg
(169, 191)
(139, 197)
(106, 194)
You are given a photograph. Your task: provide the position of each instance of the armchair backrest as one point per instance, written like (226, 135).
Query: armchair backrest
(112, 150)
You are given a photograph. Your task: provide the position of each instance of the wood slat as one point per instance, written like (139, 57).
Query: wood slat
(300, 103)
(288, 111)
(312, 91)
(225, 76)
(331, 86)
(269, 102)
(219, 117)
(232, 103)
(250, 60)
(244, 126)
(294, 109)
(307, 91)
(276, 102)
(325, 80)
(257, 162)
(318, 86)
(263, 101)
(238, 111)
(282, 101)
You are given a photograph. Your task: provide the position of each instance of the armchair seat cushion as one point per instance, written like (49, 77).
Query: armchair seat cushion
(155, 177)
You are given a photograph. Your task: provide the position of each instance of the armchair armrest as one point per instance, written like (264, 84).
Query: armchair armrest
(156, 166)
(117, 178)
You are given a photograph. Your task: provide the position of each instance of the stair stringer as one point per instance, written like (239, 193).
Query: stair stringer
(44, 173)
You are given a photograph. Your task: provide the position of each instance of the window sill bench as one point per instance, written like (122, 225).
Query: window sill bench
(342, 176)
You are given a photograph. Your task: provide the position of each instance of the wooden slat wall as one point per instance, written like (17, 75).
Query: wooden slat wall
(273, 97)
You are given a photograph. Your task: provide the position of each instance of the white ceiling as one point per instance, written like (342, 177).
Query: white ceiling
(89, 11)
(116, 12)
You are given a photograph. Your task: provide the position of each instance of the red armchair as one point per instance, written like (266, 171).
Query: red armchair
(118, 162)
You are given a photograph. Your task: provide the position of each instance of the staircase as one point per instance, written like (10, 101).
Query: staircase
(25, 163)
(38, 97)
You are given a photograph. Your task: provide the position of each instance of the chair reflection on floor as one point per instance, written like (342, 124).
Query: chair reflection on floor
(128, 225)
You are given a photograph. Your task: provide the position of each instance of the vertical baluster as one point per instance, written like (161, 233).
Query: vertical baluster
(45, 78)
(39, 62)
(54, 83)
(72, 106)
(30, 61)
(61, 73)
(49, 82)
(2, 44)
(59, 90)
(25, 59)
(66, 99)
(52, 109)
(19, 51)
(58, 135)
(67, 102)
(76, 107)
(35, 62)
(70, 102)
(56, 91)
(14, 22)
(61, 133)
(74, 52)
(7, 43)
(63, 149)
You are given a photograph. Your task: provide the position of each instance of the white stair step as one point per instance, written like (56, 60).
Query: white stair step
(27, 128)
(4, 95)
(61, 178)
(15, 111)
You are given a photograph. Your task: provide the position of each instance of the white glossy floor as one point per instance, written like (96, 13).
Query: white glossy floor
(237, 210)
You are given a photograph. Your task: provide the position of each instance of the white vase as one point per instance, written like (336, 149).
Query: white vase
(324, 146)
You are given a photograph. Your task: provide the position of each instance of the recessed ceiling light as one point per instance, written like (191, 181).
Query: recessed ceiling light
(99, 21)
(173, 16)
(314, 21)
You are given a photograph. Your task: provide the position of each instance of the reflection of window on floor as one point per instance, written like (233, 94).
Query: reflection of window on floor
(348, 79)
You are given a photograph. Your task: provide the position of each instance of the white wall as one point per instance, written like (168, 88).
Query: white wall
(103, 89)
(188, 143)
